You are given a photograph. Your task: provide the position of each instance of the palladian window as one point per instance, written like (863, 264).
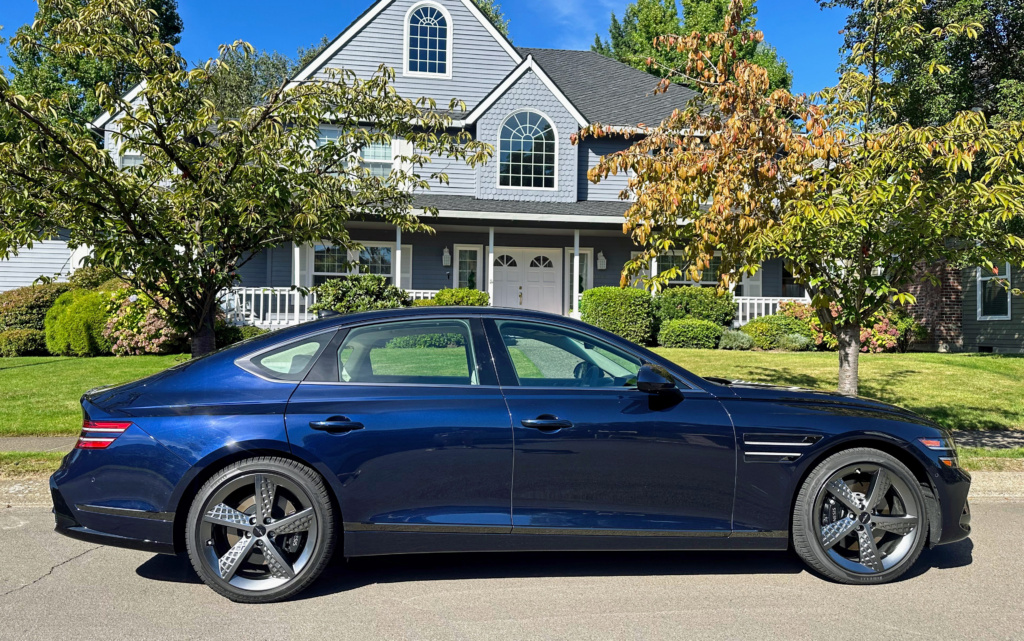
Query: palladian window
(527, 148)
(428, 43)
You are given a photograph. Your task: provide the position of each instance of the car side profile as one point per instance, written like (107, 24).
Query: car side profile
(480, 429)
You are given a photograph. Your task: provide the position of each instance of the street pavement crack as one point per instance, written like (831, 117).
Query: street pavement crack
(50, 571)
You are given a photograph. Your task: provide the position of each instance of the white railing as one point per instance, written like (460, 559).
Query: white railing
(273, 307)
(751, 307)
(267, 307)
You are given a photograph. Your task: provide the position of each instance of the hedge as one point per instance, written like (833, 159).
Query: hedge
(704, 303)
(75, 324)
(463, 296)
(624, 311)
(768, 330)
(359, 294)
(690, 332)
(22, 342)
(26, 307)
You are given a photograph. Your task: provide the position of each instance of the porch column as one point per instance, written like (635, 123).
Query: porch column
(296, 264)
(490, 265)
(575, 301)
(398, 258)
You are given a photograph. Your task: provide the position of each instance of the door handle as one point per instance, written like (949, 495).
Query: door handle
(547, 423)
(336, 425)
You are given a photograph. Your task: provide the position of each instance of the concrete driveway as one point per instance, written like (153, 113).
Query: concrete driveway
(52, 587)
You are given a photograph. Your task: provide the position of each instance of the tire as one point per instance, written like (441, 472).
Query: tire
(231, 538)
(872, 531)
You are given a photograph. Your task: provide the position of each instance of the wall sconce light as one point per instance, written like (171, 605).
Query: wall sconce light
(446, 259)
(602, 262)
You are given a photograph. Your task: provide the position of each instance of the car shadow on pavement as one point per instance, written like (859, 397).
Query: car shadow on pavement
(349, 574)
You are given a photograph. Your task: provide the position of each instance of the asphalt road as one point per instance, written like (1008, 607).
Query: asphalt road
(54, 588)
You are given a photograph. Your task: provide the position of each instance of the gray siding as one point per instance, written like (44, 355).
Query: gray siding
(50, 258)
(461, 177)
(590, 152)
(1005, 336)
(479, 63)
(272, 268)
(529, 92)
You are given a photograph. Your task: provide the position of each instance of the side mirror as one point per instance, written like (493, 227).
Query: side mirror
(654, 379)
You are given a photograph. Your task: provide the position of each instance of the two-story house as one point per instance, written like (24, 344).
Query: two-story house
(527, 227)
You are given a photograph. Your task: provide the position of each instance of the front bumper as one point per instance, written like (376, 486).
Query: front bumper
(954, 522)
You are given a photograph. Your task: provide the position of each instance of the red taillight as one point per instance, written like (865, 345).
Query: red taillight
(97, 435)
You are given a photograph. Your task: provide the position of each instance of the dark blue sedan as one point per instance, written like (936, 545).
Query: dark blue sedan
(480, 429)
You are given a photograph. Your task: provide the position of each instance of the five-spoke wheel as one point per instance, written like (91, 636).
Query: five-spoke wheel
(261, 530)
(860, 517)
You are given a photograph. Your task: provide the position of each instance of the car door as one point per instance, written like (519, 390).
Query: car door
(593, 454)
(408, 416)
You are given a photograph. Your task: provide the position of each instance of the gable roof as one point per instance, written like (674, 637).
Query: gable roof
(527, 65)
(607, 91)
(372, 12)
(105, 117)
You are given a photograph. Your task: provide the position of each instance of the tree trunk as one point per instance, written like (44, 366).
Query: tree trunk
(849, 359)
(204, 340)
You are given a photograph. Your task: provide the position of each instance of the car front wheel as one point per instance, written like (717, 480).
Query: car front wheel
(261, 530)
(860, 517)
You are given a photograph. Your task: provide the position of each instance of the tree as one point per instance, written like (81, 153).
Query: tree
(71, 83)
(982, 71)
(214, 188)
(852, 201)
(631, 41)
(492, 11)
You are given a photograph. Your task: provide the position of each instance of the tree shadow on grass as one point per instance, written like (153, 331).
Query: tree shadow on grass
(35, 364)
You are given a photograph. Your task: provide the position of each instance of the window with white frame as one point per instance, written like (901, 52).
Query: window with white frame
(428, 44)
(331, 262)
(468, 266)
(376, 157)
(130, 160)
(527, 152)
(993, 296)
(708, 277)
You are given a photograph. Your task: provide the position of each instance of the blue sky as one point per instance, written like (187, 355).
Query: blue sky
(804, 35)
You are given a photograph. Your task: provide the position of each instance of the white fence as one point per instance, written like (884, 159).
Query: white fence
(273, 307)
(751, 307)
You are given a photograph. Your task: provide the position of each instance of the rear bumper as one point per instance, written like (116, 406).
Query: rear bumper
(146, 531)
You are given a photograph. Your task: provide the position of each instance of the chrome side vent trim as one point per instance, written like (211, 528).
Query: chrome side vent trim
(776, 448)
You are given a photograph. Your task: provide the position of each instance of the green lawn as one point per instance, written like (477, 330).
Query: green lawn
(39, 395)
(958, 391)
(19, 464)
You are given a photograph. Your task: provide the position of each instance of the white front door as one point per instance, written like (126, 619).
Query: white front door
(528, 279)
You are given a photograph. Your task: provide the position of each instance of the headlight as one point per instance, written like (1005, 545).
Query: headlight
(944, 445)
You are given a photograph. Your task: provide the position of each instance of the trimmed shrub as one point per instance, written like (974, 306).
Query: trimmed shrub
(423, 302)
(767, 330)
(26, 307)
(626, 312)
(75, 324)
(462, 296)
(736, 340)
(90, 277)
(690, 332)
(363, 293)
(230, 334)
(704, 303)
(136, 325)
(795, 343)
(22, 342)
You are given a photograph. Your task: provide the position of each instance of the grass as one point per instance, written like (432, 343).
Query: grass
(21, 464)
(990, 460)
(40, 394)
(958, 391)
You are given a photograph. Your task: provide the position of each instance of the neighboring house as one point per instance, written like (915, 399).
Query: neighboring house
(527, 227)
(48, 259)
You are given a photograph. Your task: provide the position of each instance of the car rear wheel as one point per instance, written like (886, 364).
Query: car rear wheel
(860, 517)
(261, 530)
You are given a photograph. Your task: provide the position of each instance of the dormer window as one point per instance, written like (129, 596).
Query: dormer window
(428, 44)
(527, 152)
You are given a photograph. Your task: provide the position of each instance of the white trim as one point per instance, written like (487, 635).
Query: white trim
(527, 65)
(479, 249)
(353, 260)
(449, 40)
(980, 281)
(497, 179)
(587, 254)
(368, 17)
(106, 117)
(490, 265)
(497, 215)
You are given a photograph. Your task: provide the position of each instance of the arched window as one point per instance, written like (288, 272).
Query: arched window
(542, 261)
(527, 148)
(428, 45)
(504, 261)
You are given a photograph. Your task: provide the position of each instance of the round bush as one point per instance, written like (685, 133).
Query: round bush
(736, 340)
(26, 307)
(462, 296)
(75, 324)
(796, 343)
(690, 332)
(626, 312)
(90, 277)
(704, 303)
(22, 342)
(136, 325)
(231, 334)
(359, 294)
(767, 330)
